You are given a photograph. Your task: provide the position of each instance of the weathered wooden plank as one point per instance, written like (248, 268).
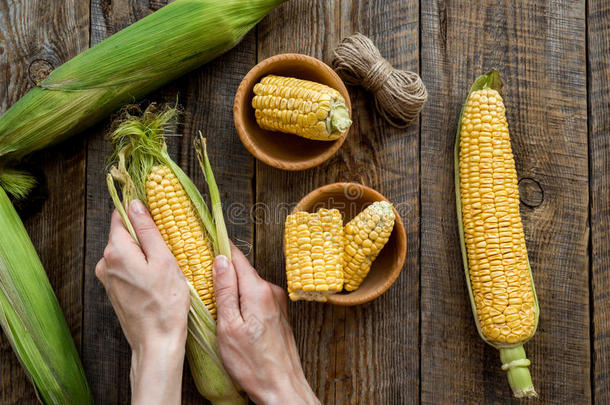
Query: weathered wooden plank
(36, 36)
(599, 154)
(366, 354)
(312, 28)
(206, 97)
(381, 343)
(107, 359)
(540, 51)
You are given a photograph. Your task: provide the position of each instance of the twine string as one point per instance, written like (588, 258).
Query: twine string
(399, 94)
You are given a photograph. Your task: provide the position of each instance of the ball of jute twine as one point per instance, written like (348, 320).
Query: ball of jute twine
(399, 94)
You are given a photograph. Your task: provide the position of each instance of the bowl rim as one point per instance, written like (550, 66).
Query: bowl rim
(343, 299)
(257, 71)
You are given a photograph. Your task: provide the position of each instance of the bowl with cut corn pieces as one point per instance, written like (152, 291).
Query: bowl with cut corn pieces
(344, 244)
(292, 111)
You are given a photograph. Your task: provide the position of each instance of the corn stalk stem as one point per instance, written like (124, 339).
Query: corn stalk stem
(515, 363)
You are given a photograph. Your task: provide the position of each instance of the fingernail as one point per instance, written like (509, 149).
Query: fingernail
(137, 207)
(221, 264)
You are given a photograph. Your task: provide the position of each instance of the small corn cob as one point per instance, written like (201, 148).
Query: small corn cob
(493, 243)
(182, 231)
(313, 244)
(365, 236)
(301, 107)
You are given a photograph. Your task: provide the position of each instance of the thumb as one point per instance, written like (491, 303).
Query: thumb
(146, 229)
(225, 288)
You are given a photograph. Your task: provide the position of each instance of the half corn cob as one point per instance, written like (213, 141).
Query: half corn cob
(301, 107)
(144, 169)
(365, 236)
(313, 245)
(498, 273)
(170, 42)
(30, 314)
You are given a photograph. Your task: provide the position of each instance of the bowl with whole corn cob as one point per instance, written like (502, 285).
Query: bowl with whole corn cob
(344, 244)
(292, 111)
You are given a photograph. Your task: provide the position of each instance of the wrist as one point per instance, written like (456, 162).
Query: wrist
(289, 390)
(156, 371)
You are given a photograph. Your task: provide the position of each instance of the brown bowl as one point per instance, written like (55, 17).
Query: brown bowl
(350, 199)
(285, 151)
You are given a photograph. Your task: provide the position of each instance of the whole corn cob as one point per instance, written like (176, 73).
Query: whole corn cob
(365, 236)
(170, 42)
(144, 169)
(493, 243)
(313, 245)
(301, 107)
(31, 317)
(175, 216)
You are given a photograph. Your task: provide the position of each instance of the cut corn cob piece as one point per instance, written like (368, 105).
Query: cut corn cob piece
(301, 107)
(365, 236)
(182, 231)
(313, 244)
(498, 273)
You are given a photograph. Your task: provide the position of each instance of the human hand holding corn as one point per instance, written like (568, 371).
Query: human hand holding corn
(255, 339)
(151, 300)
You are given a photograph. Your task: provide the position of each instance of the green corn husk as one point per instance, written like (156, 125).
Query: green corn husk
(513, 357)
(141, 58)
(30, 314)
(139, 145)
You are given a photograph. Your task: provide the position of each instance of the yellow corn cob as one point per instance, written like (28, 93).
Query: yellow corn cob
(313, 243)
(301, 107)
(182, 231)
(499, 272)
(365, 236)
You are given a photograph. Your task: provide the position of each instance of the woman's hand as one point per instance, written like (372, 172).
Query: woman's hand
(151, 299)
(255, 339)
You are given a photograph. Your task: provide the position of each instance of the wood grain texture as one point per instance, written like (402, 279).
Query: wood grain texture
(365, 354)
(108, 357)
(540, 50)
(206, 96)
(34, 37)
(599, 164)
(308, 27)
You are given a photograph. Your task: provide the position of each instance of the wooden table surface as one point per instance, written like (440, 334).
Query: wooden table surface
(418, 342)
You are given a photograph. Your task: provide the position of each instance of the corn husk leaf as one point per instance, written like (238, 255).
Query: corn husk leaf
(139, 145)
(518, 374)
(141, 58)
(32, 319)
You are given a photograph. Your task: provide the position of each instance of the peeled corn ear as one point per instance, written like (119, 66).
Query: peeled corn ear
(313, 245)
(497, 270)
(365, 236)
(301, 107)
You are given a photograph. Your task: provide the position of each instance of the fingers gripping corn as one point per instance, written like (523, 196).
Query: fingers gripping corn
(183, 233)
